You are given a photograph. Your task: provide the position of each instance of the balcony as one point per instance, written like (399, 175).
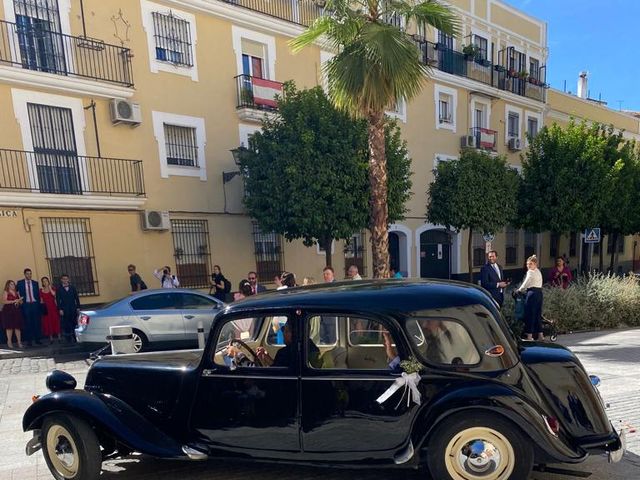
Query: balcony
(436, 55)
(32, 48)
(485, 139)
(62, 173)
(256, 97)
(302, 12)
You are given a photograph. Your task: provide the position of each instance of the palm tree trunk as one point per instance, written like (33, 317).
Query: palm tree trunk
(379, 210)
(470, 255)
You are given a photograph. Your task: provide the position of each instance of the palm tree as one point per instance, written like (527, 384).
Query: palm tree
(377, 65)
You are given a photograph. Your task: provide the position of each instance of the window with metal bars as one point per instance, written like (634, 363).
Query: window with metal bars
(191, 252)
(573, 244)
(620, 244)
(511, 246)
(69, 249)
(181, 145)
(478, 246)
(532, 127)
(173, 39)
(530, 244)
(268, 252)
(445, 115)
(355, 254)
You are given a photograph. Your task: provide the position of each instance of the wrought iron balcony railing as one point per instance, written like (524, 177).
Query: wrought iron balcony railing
(485, 139)
(34, 48)
(302, 12)
(65, 173)
(474, 67)
(258, 93)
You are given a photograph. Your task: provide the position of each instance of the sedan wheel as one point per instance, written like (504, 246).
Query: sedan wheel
(139, 341)
(478, 447)
(71, 448)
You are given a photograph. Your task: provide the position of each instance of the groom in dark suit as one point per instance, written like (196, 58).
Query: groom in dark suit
(492, 278)
(29, 290)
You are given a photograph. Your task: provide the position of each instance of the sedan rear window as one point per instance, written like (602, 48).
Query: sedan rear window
(443, 341)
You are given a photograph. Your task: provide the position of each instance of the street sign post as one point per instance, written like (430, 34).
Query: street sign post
(592, 235)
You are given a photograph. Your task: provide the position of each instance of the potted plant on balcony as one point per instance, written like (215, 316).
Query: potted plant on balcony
(523, 74)
(534, 80)
(246, 96)
(500, 68)
(470, 51)
(512, 72)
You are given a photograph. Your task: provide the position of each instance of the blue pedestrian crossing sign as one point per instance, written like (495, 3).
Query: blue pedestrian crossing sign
(592, 235)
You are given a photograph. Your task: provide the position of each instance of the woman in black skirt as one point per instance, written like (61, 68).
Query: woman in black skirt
(532, 287)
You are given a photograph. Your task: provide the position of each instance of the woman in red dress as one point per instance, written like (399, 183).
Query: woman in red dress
(12, 320)
(51, 319)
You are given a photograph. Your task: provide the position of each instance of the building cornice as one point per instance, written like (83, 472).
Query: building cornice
(242, 16)
(60, 83)
(75, 202)
(461, 82)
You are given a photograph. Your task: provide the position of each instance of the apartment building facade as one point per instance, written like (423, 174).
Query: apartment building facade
(121, 120)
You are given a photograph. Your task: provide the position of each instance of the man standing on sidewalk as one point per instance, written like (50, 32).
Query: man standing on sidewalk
(69, 305)
(492, 279)
(29, 290)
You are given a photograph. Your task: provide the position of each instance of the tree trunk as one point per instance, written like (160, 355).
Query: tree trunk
(470, 254)
(555, 246)
(326, 244)
(602, 252)
(613, 240)
(379, 210)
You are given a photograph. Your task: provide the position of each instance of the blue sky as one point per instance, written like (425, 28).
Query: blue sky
(596, 36)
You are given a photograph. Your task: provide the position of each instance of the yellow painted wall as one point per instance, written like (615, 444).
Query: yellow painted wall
(501, 17)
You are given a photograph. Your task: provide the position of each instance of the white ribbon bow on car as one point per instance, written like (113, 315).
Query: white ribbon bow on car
(409, 382)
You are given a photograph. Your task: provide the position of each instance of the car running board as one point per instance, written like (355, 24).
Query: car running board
(405, 455)
(194, 454)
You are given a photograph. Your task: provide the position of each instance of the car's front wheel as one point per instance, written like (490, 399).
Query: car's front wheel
(478, 447)
(71, 448)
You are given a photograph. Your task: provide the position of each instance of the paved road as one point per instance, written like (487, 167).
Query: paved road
(614, 356)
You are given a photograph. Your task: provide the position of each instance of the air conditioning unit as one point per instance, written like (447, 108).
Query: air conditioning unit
(515, 144)
(124, 111)
(155, 220)
(469, 141)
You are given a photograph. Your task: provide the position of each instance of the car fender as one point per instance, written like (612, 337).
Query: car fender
(495, 399)
(108, 414)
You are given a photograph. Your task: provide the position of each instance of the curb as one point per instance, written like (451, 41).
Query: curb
(45, 351)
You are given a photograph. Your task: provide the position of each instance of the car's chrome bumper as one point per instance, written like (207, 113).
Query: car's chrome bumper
(616, 455)
(34, 444)
(84, 335)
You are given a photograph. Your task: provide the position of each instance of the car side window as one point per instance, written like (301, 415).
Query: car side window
(191, 301)
(359, 344)
(444, 341)
(244, 343)
(157, 301)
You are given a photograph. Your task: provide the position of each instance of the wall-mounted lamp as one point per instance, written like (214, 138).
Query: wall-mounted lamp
(237, 157)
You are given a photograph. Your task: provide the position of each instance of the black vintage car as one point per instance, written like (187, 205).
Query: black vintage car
(382, 373)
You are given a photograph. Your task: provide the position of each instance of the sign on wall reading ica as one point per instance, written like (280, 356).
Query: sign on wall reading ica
(8, 213)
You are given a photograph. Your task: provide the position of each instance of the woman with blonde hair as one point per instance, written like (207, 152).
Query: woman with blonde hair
(532, 287)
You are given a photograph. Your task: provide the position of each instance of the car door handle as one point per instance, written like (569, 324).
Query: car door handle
(145, 318)
(188, 317)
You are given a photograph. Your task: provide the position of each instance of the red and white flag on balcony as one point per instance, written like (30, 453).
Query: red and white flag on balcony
(487, 138)
(265, 91)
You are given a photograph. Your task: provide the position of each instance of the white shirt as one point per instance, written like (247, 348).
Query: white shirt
(533, 279)
(168, 281)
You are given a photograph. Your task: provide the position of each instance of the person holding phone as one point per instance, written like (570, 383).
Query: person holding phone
(492, 278)
(560, 275)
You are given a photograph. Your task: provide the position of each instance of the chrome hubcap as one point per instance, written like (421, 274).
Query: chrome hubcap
(479, 453)
(62, 451)
(137, 342)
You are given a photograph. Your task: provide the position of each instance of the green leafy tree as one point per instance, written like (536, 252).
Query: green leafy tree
(566, 179)
(620, 215)
(476, 192)
(306, 171)
(377, 65)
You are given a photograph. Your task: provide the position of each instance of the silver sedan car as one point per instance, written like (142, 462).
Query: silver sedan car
(156, 316)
